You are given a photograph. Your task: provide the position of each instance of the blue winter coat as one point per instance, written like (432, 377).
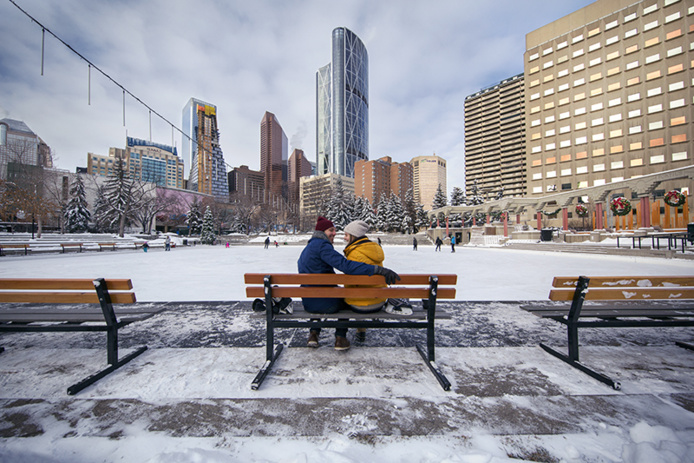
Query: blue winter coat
(319, 256)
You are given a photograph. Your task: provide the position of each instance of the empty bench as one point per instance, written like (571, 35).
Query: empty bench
(32, 305)
(71, 245)
(424, 287)
(6, 247)
(616, 302)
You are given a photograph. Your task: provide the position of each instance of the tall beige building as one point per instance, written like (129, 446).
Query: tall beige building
(495, 139)
(315, 192)
(608, 94)
(428, 172)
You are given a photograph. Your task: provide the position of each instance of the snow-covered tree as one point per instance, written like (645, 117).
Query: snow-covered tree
(77, 211)
(381, 212)
(207, 235)
(123, 196)
(103, 217)
(194, 220)
(439, 199)
(396, 214)
(338, 212)
(475, 197)
(364, 211)
(457, 197)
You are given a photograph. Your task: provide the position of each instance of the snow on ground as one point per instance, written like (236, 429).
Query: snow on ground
(207, 363)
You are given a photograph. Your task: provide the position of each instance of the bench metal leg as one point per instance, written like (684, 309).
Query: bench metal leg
(616, 385)
(684, 345)
(260, 377)
(431, 363)
(75, 388)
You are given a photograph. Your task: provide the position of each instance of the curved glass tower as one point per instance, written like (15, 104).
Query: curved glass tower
(342, 106)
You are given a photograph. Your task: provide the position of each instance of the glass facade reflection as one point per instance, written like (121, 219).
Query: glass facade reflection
(342, 100)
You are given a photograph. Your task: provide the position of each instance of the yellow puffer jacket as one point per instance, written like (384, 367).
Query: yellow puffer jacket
(367, 252)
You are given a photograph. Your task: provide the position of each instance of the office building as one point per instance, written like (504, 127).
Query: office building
(20, 147)
(342, 106)
(382, 177)
(495, 139)
(608, 95)
(246, 183)
(299, 166)
(273, 156)
(143, 160)
(428, 172)
(200, 144)
(315, 193)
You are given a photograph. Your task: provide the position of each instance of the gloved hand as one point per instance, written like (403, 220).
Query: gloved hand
(391, 276)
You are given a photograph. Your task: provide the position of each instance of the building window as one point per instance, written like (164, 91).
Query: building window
(635, 146)
(679, 156)
(636, 162)
(598, 152)
(675, 69)
(617, 165)
(681, 138)
(598, 167)
(616, 149)
(656, 142)
(677, 103)
(678, 120)
(657, 159)
(655, 125)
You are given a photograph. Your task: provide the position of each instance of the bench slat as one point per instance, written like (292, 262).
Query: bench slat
(340, 292)
(334, 279)
(64, 297)
(114, 284)
(629, 281)
(595, 294)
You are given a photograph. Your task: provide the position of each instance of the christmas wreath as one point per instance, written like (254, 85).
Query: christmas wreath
(674, 198)
(581, 210)
(620, 206)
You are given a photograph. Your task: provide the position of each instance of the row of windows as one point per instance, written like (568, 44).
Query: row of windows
(611, 25)
(614, 165)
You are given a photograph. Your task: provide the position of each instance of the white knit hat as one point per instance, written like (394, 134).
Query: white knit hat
(357, 228)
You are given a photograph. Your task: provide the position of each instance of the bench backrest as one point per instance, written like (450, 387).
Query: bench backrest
(626, 288)
(413, 286)
(63, 290)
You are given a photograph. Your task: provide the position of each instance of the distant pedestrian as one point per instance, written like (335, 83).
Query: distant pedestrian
(145, 246)
(167, 243)
(267, 242)
(438, 244)
(277, 245)
(452, 243)
(379, 240)
(414, 244)
(227, 245)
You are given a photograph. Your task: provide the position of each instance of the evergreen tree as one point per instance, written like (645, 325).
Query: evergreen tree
(364, 211)
(476, 197)
(457, 197)
(77, 211)
(396, 214)
(422, 217)
(337, 206)
(207, 235)
(439, 199)
(410, 210)
(123, 196)
(104, 219)
(194, 219)
(381, 212)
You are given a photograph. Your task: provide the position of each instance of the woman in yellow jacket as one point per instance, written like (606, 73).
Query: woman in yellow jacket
(361, 249)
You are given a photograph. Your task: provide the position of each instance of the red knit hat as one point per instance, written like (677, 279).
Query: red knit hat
(323, 224)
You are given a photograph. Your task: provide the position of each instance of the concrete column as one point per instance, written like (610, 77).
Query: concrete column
(539, 220)
(565, 218)
(645, 213)
(599, 225)
(446, 225)
(505, 224)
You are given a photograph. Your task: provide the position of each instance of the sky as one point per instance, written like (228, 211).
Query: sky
(251, 57)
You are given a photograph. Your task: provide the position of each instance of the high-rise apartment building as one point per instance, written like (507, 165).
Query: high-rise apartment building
(299, 166)
(208, 172)
(342, 106)
(382, 177)
(143, 160)
(608, 94)
(273, 156)
(495, 139)
(428, 173)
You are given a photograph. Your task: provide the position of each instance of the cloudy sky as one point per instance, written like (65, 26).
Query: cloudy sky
(248, 57)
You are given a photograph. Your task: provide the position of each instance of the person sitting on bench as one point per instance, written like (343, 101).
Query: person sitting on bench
(361, 249)
(319, 256)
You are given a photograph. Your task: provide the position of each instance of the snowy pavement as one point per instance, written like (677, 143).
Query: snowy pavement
(188, 398)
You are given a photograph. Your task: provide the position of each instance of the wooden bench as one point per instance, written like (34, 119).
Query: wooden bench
(71, 245)
(424, 287)
(103, 245)
(4, 247)
(616, 302)
(25, 311)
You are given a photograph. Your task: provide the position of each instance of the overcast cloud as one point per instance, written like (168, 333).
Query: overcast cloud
(248, 57)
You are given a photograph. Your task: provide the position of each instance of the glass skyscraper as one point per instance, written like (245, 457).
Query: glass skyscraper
(201, 145)
(342, 106)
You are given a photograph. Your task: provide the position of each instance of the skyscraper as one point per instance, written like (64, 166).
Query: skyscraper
(273, 156)
(299, 167)
(429, 172)
(201, 145)
(342, 106)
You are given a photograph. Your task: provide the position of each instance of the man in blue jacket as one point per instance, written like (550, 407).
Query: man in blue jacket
(319, 256)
